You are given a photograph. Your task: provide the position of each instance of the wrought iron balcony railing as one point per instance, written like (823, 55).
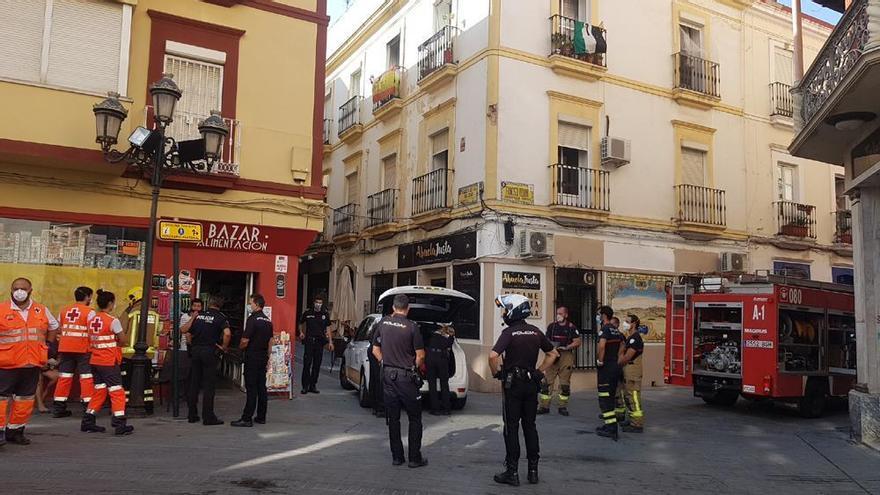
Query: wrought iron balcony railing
(345, 220)
(580, 187)
(701, 205)
(796, 220)
(781, 100)
(186, 126)
(350, 114)
(381, 207)
(564, 41)
(697, 74)
(431, 191)
(843, 227)
(437, 51)
(386, 87)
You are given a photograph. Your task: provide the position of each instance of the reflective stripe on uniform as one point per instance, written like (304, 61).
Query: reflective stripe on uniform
(118, 413)
(611, 421)
(609, 414)
(66, 375)
(74, 334)
(85, 375)
(11, 426)
(103, 337)
(22, 397)
(545, 397)
(604, 394)
(107, 345)
(100, 385)
(85, 399)
(115, 388)
(59, 399)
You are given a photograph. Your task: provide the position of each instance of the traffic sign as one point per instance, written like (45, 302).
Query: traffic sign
(179, 231)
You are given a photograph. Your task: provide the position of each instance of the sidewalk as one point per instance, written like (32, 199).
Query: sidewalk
(327, 444)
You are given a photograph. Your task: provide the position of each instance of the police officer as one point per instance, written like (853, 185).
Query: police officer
(398, 346)
(610, 348)
(439, 349)
(564, 335)
(631, 362)
(519, 344)
(376, 390)
(314, 331)
(210, 333)
(255, 342)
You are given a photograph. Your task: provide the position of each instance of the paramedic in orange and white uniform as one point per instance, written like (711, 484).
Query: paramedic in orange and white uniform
(73, 351)
(24, 327)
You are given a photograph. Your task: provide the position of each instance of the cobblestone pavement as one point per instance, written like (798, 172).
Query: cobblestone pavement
(327, 444)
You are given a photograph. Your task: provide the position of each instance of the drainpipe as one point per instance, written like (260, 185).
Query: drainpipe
(797, 29)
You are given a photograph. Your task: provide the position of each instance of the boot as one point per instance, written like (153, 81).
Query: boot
(543, 410)
(563, 411)
(533, 472)
(508, 477)
(89, 425)
(607, 431)
(121, 427)
(59, 410)
(16, 436)
(2, 437)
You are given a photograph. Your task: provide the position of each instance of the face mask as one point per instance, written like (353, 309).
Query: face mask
(318, 306)
(626, 326)
(560, 318)
(598, 320)
(20, 295)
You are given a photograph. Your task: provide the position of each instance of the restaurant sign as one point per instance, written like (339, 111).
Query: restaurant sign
(520, 280)
(438, 250)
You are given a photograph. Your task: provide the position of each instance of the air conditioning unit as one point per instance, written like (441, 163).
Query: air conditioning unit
(733, 262)
(615, 151)
(535, 244)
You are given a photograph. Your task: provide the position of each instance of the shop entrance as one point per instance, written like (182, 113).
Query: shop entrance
(576, 290)
(233, 289)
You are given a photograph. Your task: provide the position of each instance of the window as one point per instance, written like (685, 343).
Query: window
(792, 270)
(393, 52)
(840, 198)
(786, 182)
(389, 172)
(442, 14)
(354, 87)
(841, 275)
(352, 188)
(406, 278)
(200, 80)
(693, 167)
(575, 9)
(380, 283)
(440, 150)
(691, 42)
(783, 66)
(574, 155)
(79, 44)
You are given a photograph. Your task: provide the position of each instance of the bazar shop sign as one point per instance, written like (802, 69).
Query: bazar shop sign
(520, 280)
(439, 250)
(246, 238)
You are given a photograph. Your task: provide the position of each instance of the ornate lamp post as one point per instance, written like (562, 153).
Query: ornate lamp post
(159, 155)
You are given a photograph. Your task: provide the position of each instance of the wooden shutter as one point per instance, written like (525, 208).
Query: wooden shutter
(440, 150)
(22, 40)
(84, 46)
(389, 172)
(352, 187)
(202, 87)
(693, 167)
(783, 66)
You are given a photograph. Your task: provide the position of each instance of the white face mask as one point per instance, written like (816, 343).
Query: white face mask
(560, 318)
(318, 307)
(598, 321)
(626, 326)
(20, 295)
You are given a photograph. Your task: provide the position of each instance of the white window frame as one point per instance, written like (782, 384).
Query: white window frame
(795, 187)
(700, 29)
(388, 52)
(352, 90)
(776, 45)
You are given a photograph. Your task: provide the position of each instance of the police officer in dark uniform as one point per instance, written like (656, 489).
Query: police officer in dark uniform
(398, 346)
(519, 344)
(314, 331)
(610, 350)
(255, 343)
(210, 334)
(377, 390)
(439, 350)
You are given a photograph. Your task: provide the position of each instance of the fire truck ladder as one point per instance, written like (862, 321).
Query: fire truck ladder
(678, 330)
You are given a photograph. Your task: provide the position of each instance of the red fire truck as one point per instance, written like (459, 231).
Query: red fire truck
(762, 337)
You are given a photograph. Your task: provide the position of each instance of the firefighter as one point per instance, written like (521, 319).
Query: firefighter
(73, 349)
(564, 336)
(631, 362)
(24, 327)
(607, 355)
(106, 339)
(619, 401)
(130, 321)
(437, 360)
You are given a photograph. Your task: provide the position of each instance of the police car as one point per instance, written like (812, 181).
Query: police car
(429, 307)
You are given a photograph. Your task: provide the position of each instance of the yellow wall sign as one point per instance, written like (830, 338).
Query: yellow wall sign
(179, 231)
(516, 192)
(470, 194)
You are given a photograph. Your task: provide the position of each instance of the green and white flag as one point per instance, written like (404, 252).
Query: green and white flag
(584, 42)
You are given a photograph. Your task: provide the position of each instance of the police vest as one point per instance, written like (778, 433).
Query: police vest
(74, 329)
(154, 327)
(23, 343)
(102, 341)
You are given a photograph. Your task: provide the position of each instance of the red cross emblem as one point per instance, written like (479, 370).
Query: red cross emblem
(97, 325)
(72, 315)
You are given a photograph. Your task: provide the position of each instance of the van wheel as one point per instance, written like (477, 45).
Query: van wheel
(364, 392)
(343, 378)
(812, 404)
(458, 404)
(724, 398)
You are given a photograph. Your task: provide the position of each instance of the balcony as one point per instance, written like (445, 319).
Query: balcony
(781, 105)
(186, 126)
(430, 197)
(437, 63)
(843, 227)
(702, 211)
(580, 195)
(350, 125)
(831, 100)
(570, 54)
(386, 94)
(796, 221)
(381, 219)
(346, 226)
(696, 81)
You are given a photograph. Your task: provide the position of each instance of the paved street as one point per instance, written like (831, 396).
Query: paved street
(326, 444)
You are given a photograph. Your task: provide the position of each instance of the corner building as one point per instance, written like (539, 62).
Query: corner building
(579, 152)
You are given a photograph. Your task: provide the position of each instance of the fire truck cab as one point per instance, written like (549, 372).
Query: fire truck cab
(762, 337)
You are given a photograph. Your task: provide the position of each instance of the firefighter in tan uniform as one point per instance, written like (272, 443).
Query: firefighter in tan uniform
(130, 321)
(73, 350)
(631, 386)
(24, 327)
(564, 336)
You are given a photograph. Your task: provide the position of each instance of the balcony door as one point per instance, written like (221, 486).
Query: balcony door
(440, 150)
(442, 14)
(783, 66)
(841, 200)
(786, 183)
(578, 10)
(573, 179)
(693, 167)
(201, 82)
(692, 70)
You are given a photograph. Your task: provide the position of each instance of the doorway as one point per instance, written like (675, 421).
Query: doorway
(233, 289)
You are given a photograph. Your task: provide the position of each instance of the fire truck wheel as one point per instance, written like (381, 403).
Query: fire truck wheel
(725, 398)
(812, 404)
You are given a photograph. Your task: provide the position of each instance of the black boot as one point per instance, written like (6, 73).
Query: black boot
(533, 472)
(609, 431)
(543, 410)
(508, 477)
(59, 410)
(2, 437)
(120, 426)
(89, 424)
(17, 437)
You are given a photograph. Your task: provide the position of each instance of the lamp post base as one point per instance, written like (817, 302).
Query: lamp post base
(140, 386)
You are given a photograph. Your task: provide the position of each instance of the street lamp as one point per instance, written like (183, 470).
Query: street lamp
(153, 152)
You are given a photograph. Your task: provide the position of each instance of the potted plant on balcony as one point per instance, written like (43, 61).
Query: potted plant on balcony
(797, 227)
(447, 55)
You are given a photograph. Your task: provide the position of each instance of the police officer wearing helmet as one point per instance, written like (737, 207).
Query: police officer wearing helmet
(519, 344)
(609, 351)
(398, 345)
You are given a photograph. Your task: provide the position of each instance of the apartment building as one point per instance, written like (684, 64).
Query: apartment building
(580, 152)
(70, 218)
